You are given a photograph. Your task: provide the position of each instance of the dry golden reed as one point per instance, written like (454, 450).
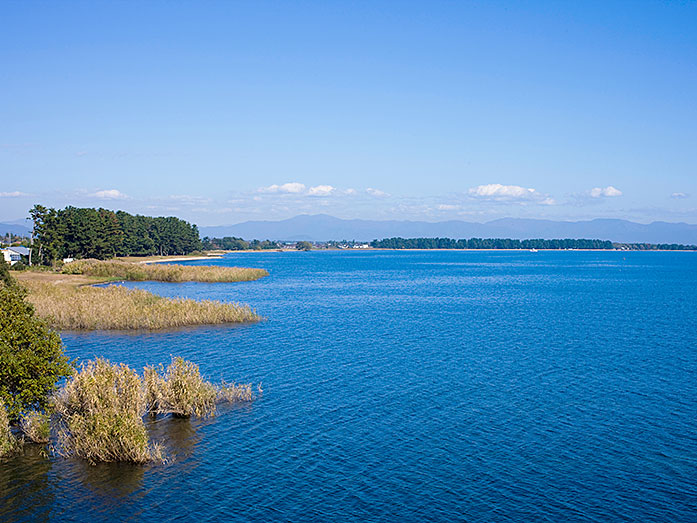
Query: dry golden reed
(101, 412)
(233, 392)
(67, 307)
(179, 390)
(116, 269)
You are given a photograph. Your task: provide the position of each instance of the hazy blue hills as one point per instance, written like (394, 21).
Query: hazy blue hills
(18, 227)
(321, 227)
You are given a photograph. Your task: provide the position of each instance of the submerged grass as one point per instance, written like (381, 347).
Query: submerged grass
(122, 270)
(103, 308)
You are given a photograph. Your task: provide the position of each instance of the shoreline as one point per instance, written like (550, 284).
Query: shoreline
(249, 251)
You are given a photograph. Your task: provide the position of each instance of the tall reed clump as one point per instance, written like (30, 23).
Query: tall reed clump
(8, 443)
(179, 390)
(114, 307)
(116, 269)
(101, 412)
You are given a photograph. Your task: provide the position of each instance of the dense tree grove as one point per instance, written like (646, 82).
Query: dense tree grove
(654, 247)
(99, 233)
(487, 243)
(231, 243)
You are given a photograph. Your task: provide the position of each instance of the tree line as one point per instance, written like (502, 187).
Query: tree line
(654, 247)
(487, 243)
(100, 233)
(232, 243)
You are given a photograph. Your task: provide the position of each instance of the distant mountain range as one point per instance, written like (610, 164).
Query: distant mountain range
(18, 227)
(322, 227)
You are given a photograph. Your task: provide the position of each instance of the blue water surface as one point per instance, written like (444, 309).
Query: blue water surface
(414, 386)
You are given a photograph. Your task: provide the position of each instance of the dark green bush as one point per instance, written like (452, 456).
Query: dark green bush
(31, 355)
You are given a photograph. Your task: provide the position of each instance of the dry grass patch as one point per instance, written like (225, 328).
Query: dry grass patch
(101, 410)
(234, 392)
(103, 308)
(122, 270)
(179, 390)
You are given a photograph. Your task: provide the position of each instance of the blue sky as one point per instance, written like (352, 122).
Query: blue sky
(221, 112)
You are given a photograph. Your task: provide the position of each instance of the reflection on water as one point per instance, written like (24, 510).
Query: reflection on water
(178, 436)
(110, 480)
(25, 494)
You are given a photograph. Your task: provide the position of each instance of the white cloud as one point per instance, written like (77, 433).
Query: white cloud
(185, 199)
(110, 194)
(496, 191)
(288, 188)
(351, 192)
(606, 192)
(321, 190)
(447, 207)
(376, 192)
(679, 195)
(13, 194)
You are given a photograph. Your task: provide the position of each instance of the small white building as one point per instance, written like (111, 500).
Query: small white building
(13, 254)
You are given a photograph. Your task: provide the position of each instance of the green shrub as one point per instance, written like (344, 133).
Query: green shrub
(5, 276)
(101, 410)
(36, 426)
(180, 390)
(31, 355)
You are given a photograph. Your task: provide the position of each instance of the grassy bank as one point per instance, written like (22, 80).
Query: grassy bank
(74, 307)
(121, 270)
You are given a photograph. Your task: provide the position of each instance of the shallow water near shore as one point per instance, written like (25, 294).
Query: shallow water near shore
(412, 386)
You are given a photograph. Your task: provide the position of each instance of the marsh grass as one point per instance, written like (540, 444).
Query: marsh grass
(98, 413)
(121, 270)
(179, 390)
(8, 443)
(36, 426)
(234, 392)
(101, 412)
(70, 307)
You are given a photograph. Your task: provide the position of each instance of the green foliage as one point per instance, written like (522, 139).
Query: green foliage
(31, 355)
(5, 276)
(101, 412)
(489, 243)
(303, 246)
(36, 426)
(19, 266)
(231, 243)
(654, 247)
(102, 234)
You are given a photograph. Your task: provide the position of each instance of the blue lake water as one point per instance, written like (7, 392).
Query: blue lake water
(413, 386)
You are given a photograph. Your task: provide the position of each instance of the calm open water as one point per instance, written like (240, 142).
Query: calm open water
(412, 386)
